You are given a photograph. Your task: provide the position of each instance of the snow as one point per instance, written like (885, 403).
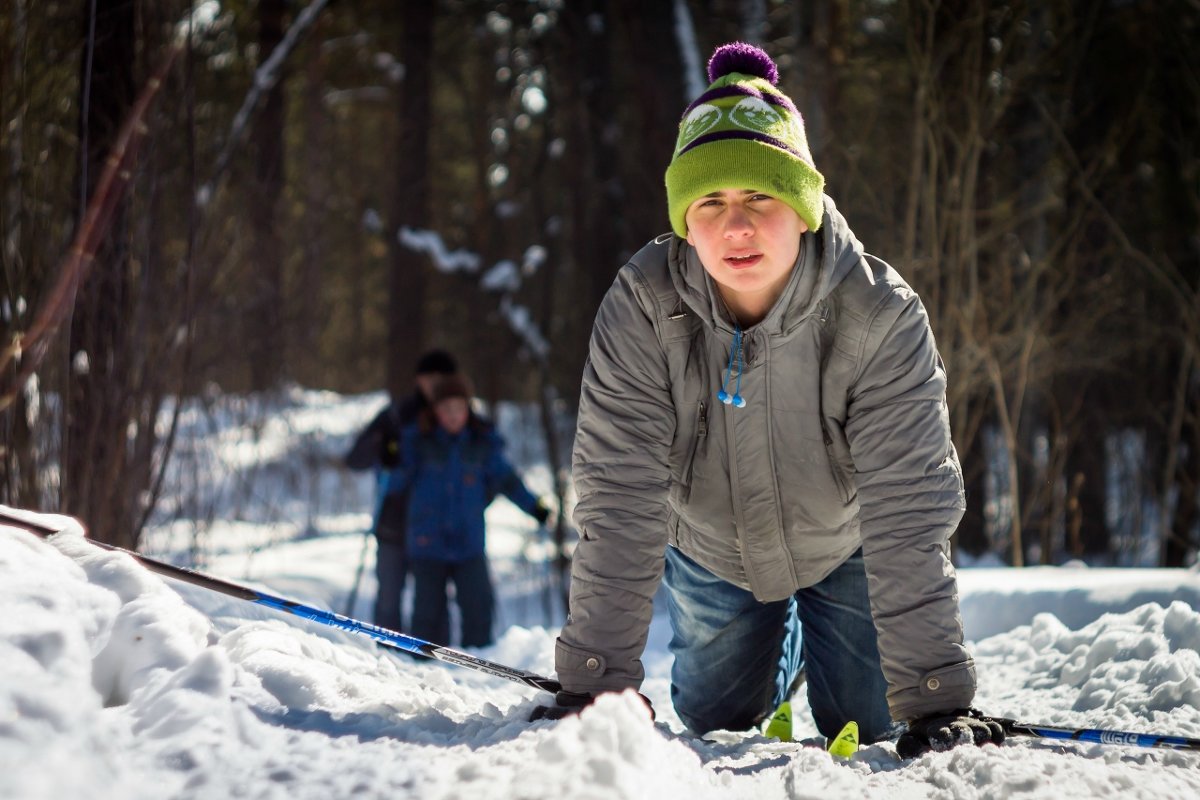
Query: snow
(118, 683)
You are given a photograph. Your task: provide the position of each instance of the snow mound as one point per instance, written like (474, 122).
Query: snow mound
(48, 634)
(613, 749)
(53, 623)
(1138, 670)
(1124, 661)
(107, 669)
(997, 600)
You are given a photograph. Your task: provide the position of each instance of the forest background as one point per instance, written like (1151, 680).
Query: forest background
(310, 193)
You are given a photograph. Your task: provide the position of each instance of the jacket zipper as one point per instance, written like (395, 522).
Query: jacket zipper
(834, 467)
(701, 432)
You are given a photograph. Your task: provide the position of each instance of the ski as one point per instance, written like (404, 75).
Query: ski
(1100, 736)
(399, 641)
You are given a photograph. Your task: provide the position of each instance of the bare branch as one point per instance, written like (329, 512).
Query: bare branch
(265, 78)
(1166, 273)
(31, 347)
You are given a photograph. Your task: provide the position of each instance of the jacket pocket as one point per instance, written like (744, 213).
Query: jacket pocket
(841, 480)
(689, 461)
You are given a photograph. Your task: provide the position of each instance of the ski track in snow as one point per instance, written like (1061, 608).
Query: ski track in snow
(118, 684)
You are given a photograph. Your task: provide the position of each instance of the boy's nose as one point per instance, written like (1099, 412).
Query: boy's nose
(737, 223)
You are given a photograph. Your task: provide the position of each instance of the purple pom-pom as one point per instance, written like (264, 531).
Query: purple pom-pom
(744, 58)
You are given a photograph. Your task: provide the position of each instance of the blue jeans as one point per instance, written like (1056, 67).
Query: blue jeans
(736, 658)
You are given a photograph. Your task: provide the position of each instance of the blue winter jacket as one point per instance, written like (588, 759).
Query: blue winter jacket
(451, 480)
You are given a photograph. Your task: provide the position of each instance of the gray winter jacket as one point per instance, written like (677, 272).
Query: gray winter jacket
(844, 442)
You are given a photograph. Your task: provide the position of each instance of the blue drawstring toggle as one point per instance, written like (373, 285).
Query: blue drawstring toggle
(736, 400)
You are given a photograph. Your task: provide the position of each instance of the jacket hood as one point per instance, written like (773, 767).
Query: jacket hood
(826, 257)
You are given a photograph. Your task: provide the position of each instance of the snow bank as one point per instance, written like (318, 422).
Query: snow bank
(54, 622)
(1138, 670)
(115, 687)
(998, 600)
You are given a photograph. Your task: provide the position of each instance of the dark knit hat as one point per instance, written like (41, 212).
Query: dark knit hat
(743, 133)
(451, 386)
(436, 362)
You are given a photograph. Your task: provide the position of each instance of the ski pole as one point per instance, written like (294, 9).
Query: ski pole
(399, 641)
(352, 598)
(1099, 735)
(381, 479)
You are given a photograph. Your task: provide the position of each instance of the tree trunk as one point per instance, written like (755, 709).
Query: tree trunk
(1180, 531)
(94, 485)
(1032, 151)
(592, 238)
(406, 285)
(18, 461)
(1181, 538)
(266, 342)
(306, 332)
(652, 84)
(814, 76)
(1088, 536)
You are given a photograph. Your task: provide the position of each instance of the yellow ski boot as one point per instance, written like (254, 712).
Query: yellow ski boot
(779, 725)
(845, 744)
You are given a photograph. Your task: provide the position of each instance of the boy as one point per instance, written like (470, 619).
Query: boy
(763, 402)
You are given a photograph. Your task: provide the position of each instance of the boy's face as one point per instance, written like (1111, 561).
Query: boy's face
(452, 414)
(747, 241)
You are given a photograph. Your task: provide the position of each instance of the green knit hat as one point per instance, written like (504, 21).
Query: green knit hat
(743, 133)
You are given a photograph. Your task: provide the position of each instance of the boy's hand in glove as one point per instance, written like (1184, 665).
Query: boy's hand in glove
(948, 729)
(542, 512)
(567, 703)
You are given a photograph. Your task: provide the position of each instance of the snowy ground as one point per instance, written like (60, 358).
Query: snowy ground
(119, 684)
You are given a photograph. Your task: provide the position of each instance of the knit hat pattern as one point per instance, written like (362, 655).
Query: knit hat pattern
(743, 133)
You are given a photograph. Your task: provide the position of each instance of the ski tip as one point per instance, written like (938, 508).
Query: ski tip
(779, 725)
(845, 744)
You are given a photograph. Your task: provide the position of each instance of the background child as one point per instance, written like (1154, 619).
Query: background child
(452, 466)
(377, 447)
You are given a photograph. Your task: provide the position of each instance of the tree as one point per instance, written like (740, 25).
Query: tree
(266, 345)
(406, 285)
(96, 450)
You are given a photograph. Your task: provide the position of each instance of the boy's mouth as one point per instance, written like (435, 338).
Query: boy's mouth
(743, 261)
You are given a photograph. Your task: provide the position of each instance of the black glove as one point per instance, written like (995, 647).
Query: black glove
(948, 729)
(567, 703)
(541, 513)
